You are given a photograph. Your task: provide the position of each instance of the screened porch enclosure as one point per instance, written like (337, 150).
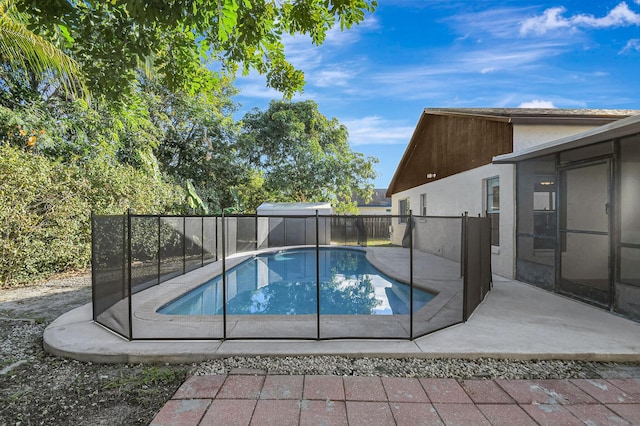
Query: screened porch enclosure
(578, 223)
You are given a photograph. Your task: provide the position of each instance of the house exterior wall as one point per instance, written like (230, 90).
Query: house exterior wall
(529, 135)
(447, 145)
(459, 151)
(464, 192)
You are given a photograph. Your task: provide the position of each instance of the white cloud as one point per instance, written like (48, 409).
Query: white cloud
(305, 55)
(550, 20)
(537, 103)
(506, 56)
(553, 19)
(620, 16)
(332, 78)
(378, 131)
(499, 23)
(632, 45)
(336, 36)
(254, 86)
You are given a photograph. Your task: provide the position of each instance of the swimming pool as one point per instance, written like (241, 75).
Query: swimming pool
(284, 283)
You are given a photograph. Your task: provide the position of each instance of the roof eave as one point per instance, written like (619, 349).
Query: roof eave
(620, 128)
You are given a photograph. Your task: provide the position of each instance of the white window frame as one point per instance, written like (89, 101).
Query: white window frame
(489, 204)
(403, 214)
(423, 204)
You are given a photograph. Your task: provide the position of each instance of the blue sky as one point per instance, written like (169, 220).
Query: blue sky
(412, 54)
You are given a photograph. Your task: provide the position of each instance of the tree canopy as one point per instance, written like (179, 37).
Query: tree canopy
(304, 156)
(24, 52)
(158, 134)
(178, 39)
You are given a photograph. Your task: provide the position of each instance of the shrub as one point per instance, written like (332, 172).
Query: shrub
(45, 209)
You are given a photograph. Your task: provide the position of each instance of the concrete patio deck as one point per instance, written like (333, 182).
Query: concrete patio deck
(515, 321)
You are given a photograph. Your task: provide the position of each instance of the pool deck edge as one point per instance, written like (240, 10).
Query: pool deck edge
(516, 321)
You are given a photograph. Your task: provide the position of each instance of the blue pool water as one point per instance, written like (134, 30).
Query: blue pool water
(284, 283)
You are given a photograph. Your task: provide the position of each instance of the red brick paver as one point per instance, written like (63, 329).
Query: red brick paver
(361, 413)
(595, 414)
(552, 415)
(200, 387)
(229, 412)
(546, 392)
(401, 389)
(364, 389)
(241, 387)
(461, 415)
(506, 415)
(282, 387)
(323, 387)
(629, 412)
(260, 399)
(313, 413)
(486, 392)
(630, 386)
(446, 391)
(604, 391)
(181, 412)
(411, 414)
(284, 412)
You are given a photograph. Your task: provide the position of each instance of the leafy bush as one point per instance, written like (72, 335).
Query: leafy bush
(45, 209)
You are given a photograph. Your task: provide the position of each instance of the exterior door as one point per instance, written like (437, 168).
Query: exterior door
(585, 270)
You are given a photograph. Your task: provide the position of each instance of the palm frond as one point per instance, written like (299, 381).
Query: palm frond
(25, 51)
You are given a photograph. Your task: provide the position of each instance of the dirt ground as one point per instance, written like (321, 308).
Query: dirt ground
(39, 389)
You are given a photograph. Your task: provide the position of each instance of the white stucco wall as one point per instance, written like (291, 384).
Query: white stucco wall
(465, 192)
(528, 135)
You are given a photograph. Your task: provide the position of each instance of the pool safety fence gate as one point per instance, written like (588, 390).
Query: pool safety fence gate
(142, 262)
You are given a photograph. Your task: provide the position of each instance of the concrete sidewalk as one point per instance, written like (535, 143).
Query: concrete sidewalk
(253, 398)
(516, 321)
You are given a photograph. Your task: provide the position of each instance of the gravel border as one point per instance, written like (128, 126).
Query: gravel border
(483, 368)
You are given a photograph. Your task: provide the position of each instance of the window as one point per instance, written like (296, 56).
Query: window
(403, 210)
(544, 212)
(423, 204)
(493, 208)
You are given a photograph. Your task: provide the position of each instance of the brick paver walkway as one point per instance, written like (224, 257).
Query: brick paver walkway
(258, 399)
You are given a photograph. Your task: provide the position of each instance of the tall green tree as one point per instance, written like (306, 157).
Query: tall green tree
(73, 130)
(178, 39)
(197, 134)
(304, 156)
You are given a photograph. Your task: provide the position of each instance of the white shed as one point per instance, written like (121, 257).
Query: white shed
(289, 231)
(294, 209)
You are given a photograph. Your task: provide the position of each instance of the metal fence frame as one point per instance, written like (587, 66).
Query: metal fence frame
(475, 262)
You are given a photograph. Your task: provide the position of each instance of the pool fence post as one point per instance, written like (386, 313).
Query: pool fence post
(184, 245)
(317, 278)
(125, 256)
(159, 242)
(465, 266)
(224, 282)
(463, 232)
(93, 266)
(130, 294)
(410, 275)
(201, 241)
